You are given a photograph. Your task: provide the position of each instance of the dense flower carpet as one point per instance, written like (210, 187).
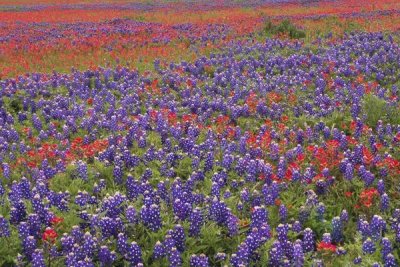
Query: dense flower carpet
(258, 151)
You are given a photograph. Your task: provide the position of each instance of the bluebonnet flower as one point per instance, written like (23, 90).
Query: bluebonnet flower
(209, 162)
(179, 237)
(28, 246)
(357, 260)
(169, 242)
(220, 256)
(39, 208)
(384, 203)
(377, 227)
(181, 209)
(242, 255)
(132, 187)
(159, 251)
(282, 232)
(151, 217)
(326, 238)
(89, 245)
(38, 258)
(67, 243)
(134, 254)
(386, 248)
(174, 258)
(390, 261)
(283, 213)
(117, 173)
(297, 227)
(17, 212)
(344, 216)
(304, 213)
(298, 255)
(6, 170)
(380, 186)
(82, 170)
(106, 256)
(321, 211)
(276, 254)
(122, 244)
(232, 224)
(368, 246)
(308, 240)
(4, 227)
(337, 230)
(321, 186)
(259, 216)
(35, 225)
(218, 211)
(340, 251)
(196, 222)
(198, 261)
(131, 215)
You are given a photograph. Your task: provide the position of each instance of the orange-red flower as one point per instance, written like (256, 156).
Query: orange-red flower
(49, 235)
(324, 246)
(367, 197)
(56, 220)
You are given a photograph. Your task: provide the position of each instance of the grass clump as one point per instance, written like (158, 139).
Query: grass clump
(376, 109)
(286, 27)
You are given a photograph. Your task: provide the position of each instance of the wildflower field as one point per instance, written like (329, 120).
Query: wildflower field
(199, 133)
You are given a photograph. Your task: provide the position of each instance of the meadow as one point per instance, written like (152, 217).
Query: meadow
(199, 133)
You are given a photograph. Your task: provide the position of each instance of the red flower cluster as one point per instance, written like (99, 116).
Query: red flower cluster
(49, 235)
(324, 246)
(189, 117)
(266, 140)
(391, 164)
(329, 157)
(367, 197)
(222, 122)
(252, 101)
(79, 150)
(172, 118)
(348, 194)
(56, 220)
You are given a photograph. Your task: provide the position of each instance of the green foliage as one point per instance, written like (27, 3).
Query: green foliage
(185, 168)
(335, 120)
(16, 105)
(351, 26)
(68, 181)
(377, 109)
(286, 27)
(9, 248)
